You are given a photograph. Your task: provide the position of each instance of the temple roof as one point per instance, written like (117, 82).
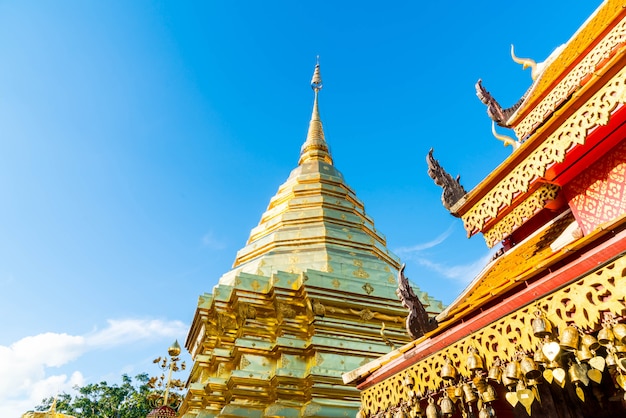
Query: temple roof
(565, 57)
(561, 122)
(315, 221)
(536, 257)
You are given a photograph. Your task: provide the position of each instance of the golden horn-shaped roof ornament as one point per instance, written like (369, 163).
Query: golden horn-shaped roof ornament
(526, 63)
(507, 140)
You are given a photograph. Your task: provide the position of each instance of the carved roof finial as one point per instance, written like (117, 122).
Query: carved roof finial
(452, 189)
(495, 112)
(526, 63)
(418, 322)
(507, 140)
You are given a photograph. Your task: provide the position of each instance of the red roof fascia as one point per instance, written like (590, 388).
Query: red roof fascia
(598, 143)
(587, 262)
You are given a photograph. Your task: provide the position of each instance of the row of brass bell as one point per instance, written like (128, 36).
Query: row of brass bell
(474, 363)
(571, 340)
(569, 336)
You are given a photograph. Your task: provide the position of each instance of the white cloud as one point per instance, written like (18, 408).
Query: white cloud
(132, 330)
(462, 273)
(25, 365)
(408, 251)
(41, 389)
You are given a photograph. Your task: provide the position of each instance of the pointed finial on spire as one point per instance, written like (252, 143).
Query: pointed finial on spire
(315, 147)
(53, 407)
(316, 81)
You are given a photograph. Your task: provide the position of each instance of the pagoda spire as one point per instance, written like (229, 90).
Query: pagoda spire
(315, 147)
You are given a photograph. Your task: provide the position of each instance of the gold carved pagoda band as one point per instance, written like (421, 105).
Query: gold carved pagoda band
(524, 211)
(595, 112)
(573, 79)
(583, 302)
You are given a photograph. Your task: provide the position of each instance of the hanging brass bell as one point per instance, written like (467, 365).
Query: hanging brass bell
(469, 394)
(495, 373)
(484, 412)
(480, 383)
(590, 342)
(605, 336)
(448, 371)
(400, 413)
(447, 407)
(541, 326)
(529, 369)
(569, 338)
(451, 391)
(620, 350)
(489, 395)
(576, 373)
(611, 361)
(584, 354)
(513, 371)
(416, 406)
(619, 332)
(474, 362)
(431, 409)
(508, 382)
(540, 357)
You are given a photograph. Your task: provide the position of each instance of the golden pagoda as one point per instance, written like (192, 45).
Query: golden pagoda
(51, 413)
(312, 295)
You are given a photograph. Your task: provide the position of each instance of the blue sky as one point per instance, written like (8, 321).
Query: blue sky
(141, 141)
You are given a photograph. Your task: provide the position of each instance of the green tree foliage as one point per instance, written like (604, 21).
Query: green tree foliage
(127, 400)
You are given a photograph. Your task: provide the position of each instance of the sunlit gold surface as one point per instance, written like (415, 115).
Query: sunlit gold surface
(579, 281)
(521, 213)
(552, 88)
(304, 302)
(47, 414)
(51, 413)
(593, 113)
(505, 272)
(579, 303)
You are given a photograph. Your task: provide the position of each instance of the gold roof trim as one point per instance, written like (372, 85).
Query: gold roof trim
(522, 262)
(504, 272)
(529, 164)
(504, 337)
(514, 219)
(565, 72)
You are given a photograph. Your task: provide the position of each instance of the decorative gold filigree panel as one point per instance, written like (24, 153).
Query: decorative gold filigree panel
(522, 212)
(582, 303)
(595, 112)
(573, 80)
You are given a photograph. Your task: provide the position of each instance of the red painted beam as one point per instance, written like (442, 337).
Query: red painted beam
(586, 263)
